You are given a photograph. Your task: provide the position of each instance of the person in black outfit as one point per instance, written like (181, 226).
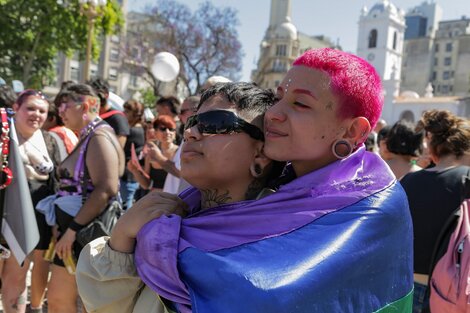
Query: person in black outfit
(134, 111)
(116, 119)
(435, 193)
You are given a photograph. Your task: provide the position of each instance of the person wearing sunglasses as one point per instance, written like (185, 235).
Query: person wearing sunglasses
(222, 156)
(88, 182)
(174, 183)
(152, 176)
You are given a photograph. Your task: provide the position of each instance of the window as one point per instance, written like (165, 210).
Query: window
(446, 75)
(281, 50)
(93, 70)
(436, 61)
(112, 74)
(115, 38)
(449, 47)
(134, 80)
(395, 41)
(74, 70)
(436, 48)
(114, 55)
(373, 38)
(135, 53)
(434, 76)
(447, 61)
(444, 89)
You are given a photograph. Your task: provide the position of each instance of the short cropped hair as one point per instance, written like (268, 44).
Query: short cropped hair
(353, 80)
(248, 98)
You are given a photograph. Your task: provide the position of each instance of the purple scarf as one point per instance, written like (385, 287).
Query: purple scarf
(294, 205)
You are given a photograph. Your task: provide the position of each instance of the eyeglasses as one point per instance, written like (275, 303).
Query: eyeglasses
(66, 105)
(223, 122)
(164, 129)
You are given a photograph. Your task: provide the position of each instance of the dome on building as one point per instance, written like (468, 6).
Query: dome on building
(287, 30)
(409, 94)
(384, 6)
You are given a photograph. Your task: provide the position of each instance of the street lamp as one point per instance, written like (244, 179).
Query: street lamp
(89, 9)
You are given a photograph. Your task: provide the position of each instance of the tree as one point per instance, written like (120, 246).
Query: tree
(205, 42)
(32, 32)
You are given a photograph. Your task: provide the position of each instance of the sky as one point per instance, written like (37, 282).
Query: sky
(336, 19)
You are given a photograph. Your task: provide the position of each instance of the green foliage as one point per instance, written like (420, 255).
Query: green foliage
(32, 32)
(147, 97)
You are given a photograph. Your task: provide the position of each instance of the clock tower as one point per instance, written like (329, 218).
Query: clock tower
(380, 40)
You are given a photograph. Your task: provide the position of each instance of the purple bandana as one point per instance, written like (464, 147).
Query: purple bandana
(294, 205)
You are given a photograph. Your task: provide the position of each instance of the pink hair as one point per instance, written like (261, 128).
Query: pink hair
(353, 80)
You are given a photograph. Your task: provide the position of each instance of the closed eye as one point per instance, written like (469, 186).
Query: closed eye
(300, 105)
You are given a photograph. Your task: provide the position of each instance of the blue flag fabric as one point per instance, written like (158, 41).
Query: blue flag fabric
(335, 240)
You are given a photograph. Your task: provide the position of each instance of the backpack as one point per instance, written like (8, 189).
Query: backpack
(450, 280)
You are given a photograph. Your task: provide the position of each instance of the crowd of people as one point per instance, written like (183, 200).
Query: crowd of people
(239, 199)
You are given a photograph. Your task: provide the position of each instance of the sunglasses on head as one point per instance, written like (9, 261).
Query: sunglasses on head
(30, 92)
(164, 129)
(223, 122)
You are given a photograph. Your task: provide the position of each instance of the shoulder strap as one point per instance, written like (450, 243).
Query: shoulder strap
(80, 165)
(111, 113)
(448, 228)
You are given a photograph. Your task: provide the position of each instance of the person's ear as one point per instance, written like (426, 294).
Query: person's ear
(261, 162)
(15, 107)
(357, 131)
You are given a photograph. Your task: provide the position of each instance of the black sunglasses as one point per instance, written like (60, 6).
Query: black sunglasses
(223, 122)
(164, 129)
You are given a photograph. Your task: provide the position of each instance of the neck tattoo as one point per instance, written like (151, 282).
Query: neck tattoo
(213, 197)
(254, 188)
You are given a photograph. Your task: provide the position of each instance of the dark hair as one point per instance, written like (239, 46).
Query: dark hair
(450, 134)
(7, 96)
(171, 102)
(134, 106)
(165, 120)
(101, 88)
(66, 84)
(402, 139)
(247, 97)
(52, 112)
(383, 133)
(75, 92)
(370, 142)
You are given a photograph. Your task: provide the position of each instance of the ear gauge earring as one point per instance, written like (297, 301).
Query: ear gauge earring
(84, 116)
(258, 170)
(341, 149)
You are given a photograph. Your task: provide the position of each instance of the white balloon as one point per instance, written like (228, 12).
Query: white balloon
(165, 66)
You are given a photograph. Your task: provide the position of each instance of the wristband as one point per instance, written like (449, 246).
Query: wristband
(75, 226)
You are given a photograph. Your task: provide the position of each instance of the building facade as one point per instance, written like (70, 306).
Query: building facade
(281, 45)
(440, 56)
